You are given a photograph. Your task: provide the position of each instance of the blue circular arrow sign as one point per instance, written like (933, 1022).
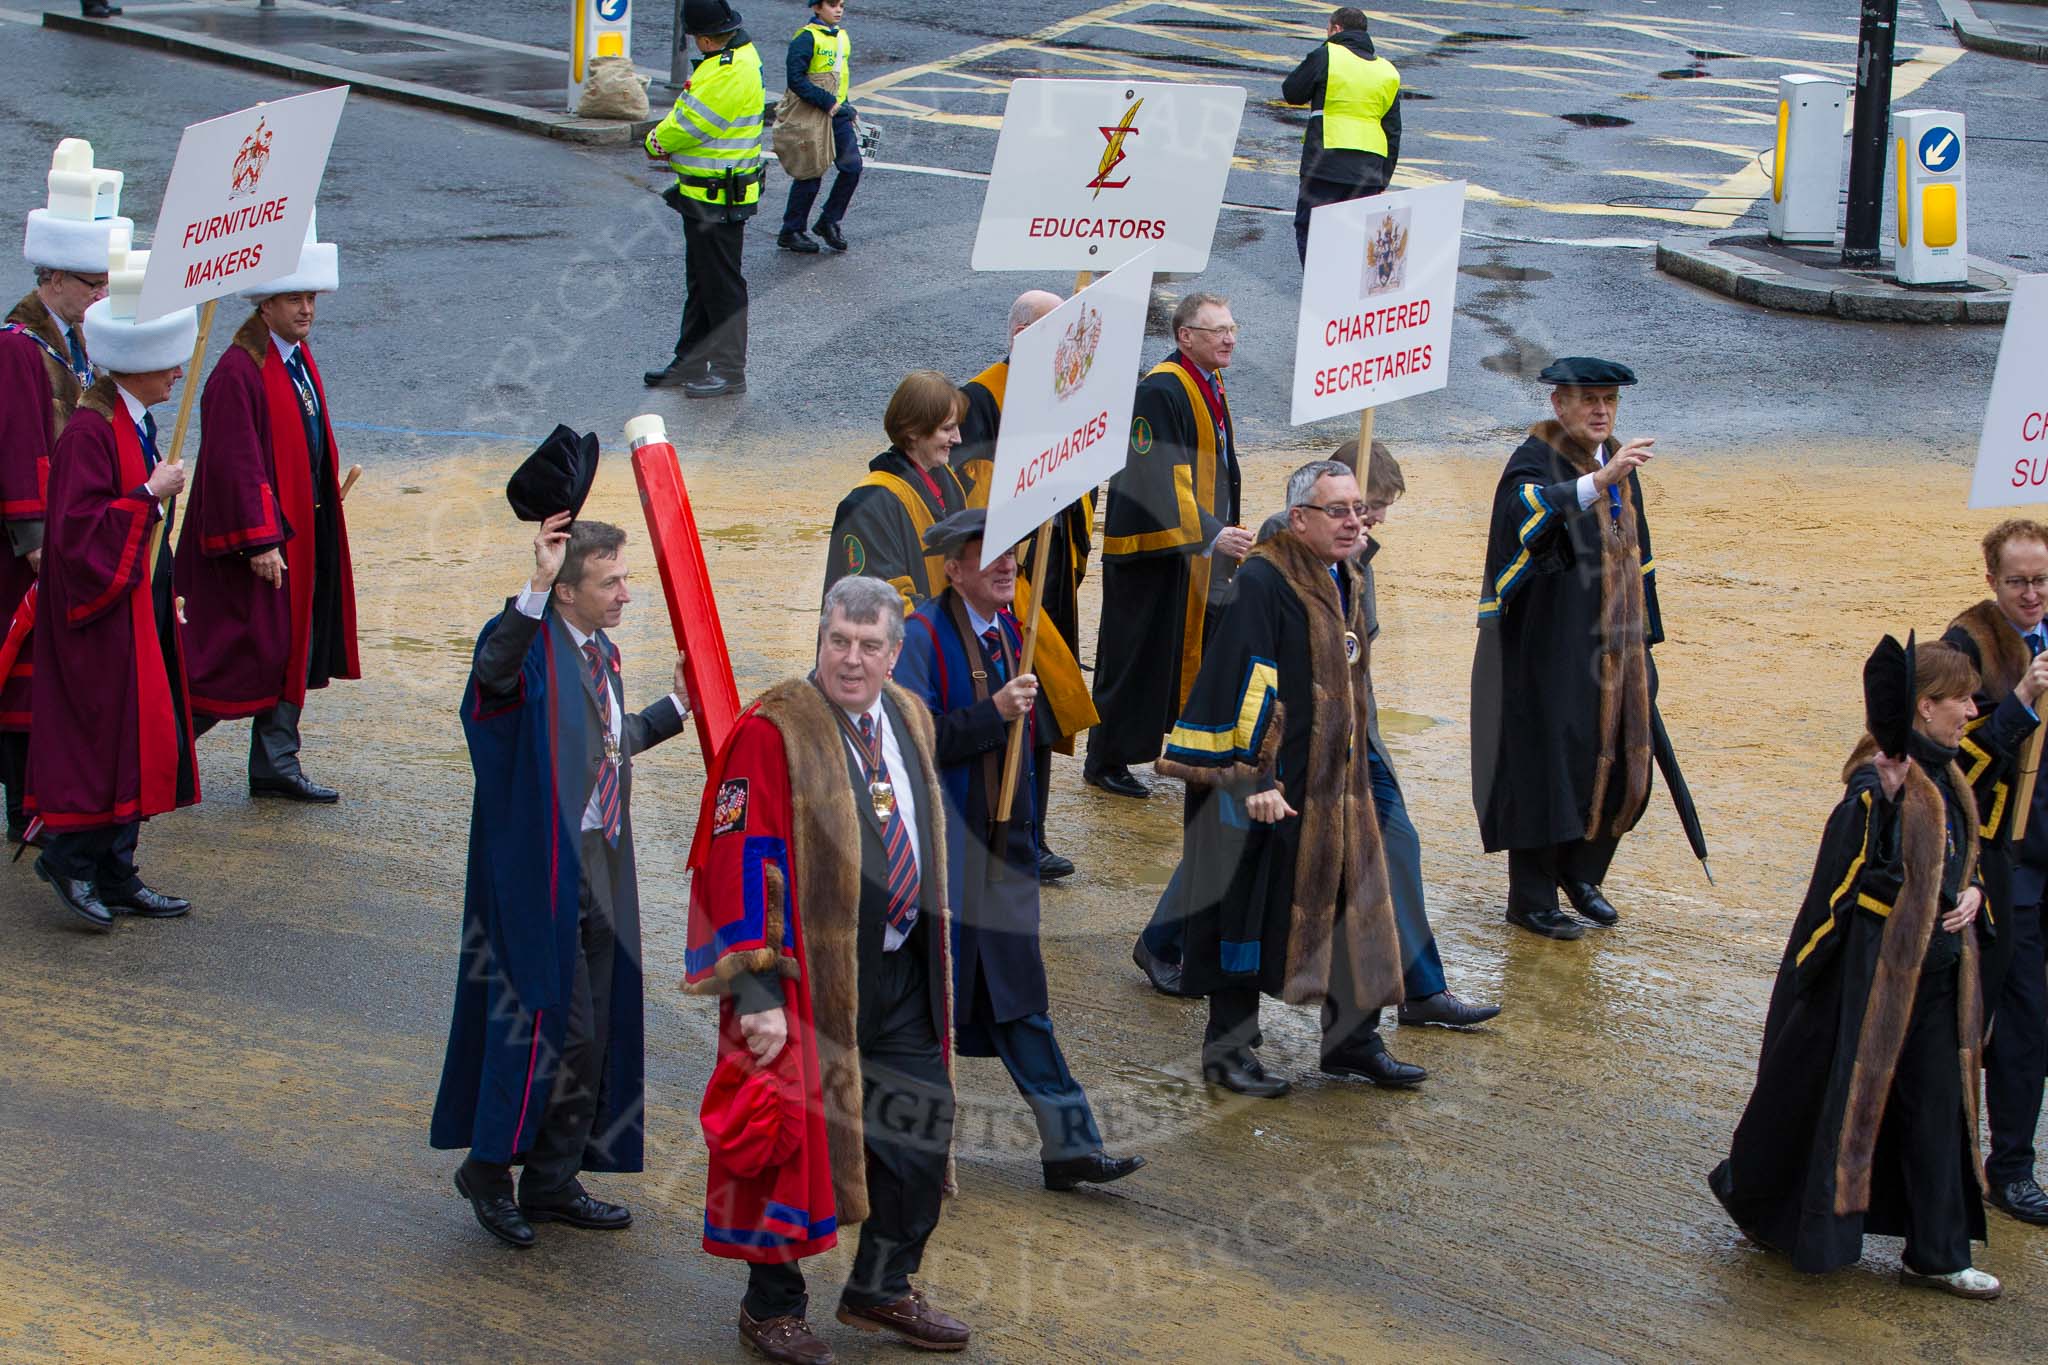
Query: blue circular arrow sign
(1940, 149)
(611, 11)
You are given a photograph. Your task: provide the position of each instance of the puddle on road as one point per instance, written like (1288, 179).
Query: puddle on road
(1518, 274)
(1597, 120)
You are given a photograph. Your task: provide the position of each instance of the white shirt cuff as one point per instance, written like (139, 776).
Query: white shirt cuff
(531, 603)
(1588, 494)
(682, 707)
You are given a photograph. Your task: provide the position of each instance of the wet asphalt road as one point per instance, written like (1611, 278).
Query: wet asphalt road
(218, 1125)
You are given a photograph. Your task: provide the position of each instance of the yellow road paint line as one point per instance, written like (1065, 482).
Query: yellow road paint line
(1456, 137)
(1236, 50)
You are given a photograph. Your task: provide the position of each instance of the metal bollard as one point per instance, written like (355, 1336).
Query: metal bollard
(679, 53)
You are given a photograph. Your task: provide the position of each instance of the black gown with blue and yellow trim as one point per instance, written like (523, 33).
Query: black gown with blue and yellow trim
(1801, 1133)
(1535, 679)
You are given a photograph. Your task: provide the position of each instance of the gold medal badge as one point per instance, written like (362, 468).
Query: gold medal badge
(883, 795)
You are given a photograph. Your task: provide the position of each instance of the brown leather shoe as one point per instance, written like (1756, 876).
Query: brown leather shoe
(913, 1321)
(787, 1339)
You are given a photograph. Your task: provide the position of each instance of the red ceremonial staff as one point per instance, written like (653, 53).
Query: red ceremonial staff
(685, 582)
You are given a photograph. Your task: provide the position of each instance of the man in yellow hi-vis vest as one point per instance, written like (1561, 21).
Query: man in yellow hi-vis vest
(820, 72)
(712, 141)
(1354, 134)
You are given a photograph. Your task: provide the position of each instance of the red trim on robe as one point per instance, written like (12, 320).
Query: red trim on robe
(138, 527)
(268, 530)
(294, 468)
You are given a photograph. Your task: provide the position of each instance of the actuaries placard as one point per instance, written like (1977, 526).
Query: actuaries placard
(1376, 300)
(1090, 173)
(1067, 409)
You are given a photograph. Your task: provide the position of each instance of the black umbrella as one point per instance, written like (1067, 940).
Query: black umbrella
(1681, 795)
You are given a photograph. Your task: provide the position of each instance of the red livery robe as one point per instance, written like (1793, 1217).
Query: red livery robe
(112, 739)
(256, 487)
(38, 391)
(778, 890)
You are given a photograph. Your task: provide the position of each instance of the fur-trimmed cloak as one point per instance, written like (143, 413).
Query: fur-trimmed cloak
(1990, 760)
(1562, 681)
(1814, 1166)
(1277, 704)
(778, 887)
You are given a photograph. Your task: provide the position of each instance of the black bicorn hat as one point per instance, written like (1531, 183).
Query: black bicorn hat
(555, 478)
(709, 18)
(951, 535)
(1888, 689)
(1588, 371)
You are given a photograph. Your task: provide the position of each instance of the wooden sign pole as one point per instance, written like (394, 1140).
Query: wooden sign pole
(2023, 789)
(355, 471)
(1013, 757)
(1365, 419)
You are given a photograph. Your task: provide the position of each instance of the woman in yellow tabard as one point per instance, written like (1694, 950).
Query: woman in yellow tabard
(879, 531)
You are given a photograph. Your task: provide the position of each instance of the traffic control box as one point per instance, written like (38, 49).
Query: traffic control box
(600, 28)
(1933, 229)
(1806, 175)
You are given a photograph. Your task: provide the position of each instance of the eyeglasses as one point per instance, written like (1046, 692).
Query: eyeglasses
(1340, 511)
(1228, 330)
(88, 281)
(2037, 584)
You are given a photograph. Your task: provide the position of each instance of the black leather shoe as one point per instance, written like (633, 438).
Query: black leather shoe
(81, 898)
(714, 385)
(1114, 778)
(1446, 1009)
(797, 241)
(1164, 975)
(1549, 922)
(831, 235)
(297, 787)
(1587, 900)
(146, 904)
(1380, 1067)
(2021, 1199)
(1239, 1070)
(1051, 866)
(580, 1211)
(1097, 1168)
(97, 9)
(499, 1213)
(673, 375)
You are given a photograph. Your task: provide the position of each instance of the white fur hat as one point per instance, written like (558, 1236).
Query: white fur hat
(319, 270)
(120, 344)
(71, 232)
(69, 243)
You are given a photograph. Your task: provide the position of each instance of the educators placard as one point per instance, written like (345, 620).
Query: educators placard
(1088, 174)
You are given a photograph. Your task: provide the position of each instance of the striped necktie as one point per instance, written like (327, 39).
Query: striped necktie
(79, 364)
(148, 428)
(609, 808)
(992, 639)
(903, 879)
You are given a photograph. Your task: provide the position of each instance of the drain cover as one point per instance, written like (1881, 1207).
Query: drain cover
(1597, 120)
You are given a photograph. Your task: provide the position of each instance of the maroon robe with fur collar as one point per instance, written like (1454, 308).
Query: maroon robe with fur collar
(106, 748)
(248, 644)
(37, 395)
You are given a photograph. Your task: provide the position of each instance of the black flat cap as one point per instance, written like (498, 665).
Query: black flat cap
(1888, 688)
(1589, 371)
(955, 531)
(555, 478)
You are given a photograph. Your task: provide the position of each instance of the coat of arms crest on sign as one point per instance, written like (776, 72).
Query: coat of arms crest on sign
(1076, 353)
(250, 161)
(1386, 252)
